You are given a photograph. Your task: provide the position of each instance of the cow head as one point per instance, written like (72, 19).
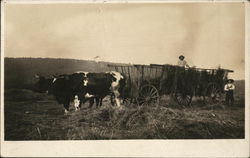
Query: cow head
(85, 82)
(43, 84)
(118, 83)
(85, 79)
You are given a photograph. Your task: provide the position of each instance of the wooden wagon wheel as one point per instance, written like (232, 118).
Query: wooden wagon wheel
(124, 101)
(128, 101)
(148, 95)
(183, 98)
(213, 93)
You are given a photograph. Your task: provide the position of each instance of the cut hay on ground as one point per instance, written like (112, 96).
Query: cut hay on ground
(43, 119)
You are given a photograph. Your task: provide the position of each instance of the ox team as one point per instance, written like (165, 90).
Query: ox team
(81, 87)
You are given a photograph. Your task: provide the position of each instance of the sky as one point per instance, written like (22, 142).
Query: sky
(207, 34)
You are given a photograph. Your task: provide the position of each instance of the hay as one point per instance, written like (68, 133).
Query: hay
(45, 121)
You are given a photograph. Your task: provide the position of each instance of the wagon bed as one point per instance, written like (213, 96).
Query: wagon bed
(147, 83)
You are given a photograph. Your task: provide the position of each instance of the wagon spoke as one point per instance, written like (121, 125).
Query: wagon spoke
(147, 90)
(183, 99)
(141, 98)
(143, 93)
(213, 93)
(188, 100)
(154, 92)
(179, 99)
(143, 103)
(154, 97)
(148, 95)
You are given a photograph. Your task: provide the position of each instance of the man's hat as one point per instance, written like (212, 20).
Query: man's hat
(230, 80)
(181, 56)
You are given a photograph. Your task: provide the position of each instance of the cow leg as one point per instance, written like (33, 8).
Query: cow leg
(117, 100)
(76, 103)
(82, 101)
(91, 102)
(112, 96)
(80, 104)
(101, 101)
(66, 112)
(66, 107)
(97, 100)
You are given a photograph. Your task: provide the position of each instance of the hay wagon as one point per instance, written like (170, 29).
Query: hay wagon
(147, 83)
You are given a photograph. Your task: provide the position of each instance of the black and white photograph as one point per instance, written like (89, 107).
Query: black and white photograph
(91, 72)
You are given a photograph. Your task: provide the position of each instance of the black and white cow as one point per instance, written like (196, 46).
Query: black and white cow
(99, 85)
(82, 86)
(63, 87)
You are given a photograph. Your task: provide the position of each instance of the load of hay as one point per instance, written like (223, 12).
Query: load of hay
(157, 123)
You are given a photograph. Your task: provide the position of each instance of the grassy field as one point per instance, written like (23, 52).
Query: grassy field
(34, 116)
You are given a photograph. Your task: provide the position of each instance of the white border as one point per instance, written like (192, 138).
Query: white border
(126, 148)
(2, 79)
(117, 1)
(247, 74)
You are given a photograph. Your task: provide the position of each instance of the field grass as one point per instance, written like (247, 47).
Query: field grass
(34, 116)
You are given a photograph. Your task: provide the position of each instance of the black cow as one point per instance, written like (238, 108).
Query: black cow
(43, 84)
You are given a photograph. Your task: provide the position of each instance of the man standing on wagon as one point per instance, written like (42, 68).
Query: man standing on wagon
(229, 89)
(182, 62)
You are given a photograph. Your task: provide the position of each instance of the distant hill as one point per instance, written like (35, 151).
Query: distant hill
(20, 72)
